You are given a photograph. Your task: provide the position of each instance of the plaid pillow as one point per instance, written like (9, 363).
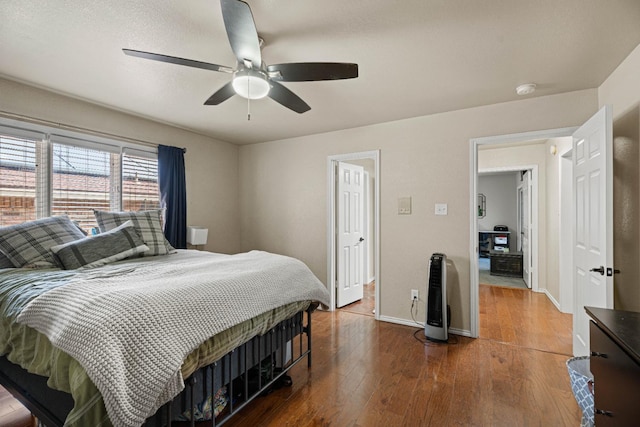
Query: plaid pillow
(147, 223)
(5, 262)
(28, 244)
(114, 245)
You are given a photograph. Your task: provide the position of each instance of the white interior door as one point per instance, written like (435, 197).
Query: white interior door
(593, 222)
(350, 251)
(525, 232)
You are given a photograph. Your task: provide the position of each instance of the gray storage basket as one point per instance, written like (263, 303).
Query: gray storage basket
(581, 376)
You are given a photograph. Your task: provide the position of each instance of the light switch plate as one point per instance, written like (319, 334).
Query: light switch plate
(441, 208)
(404, 206)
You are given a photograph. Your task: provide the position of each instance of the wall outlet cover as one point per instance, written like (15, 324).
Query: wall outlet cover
(441, 208)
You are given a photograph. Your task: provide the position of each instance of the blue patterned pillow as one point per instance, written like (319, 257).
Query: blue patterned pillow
(28, 244)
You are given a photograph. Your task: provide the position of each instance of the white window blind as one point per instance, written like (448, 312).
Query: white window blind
(43, 174)
(17, 179)
(80, 183)
(139, 183)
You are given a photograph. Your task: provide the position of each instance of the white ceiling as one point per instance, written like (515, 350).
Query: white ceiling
(416, 57)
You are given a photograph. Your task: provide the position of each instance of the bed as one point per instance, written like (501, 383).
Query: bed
(164, 340)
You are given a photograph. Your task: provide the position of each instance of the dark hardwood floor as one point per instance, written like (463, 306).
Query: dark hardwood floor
(525, 319)
(367, 304)
(368, 373)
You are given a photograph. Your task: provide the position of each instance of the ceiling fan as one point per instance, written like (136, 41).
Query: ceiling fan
(252, 78)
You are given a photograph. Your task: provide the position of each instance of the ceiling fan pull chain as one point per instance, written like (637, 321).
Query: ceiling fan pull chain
(249, 100)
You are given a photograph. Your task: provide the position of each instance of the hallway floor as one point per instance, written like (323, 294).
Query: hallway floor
(486, 278)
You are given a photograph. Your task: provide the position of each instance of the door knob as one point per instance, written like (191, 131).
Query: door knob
(361, 239)
(598, 270)
(603, 412)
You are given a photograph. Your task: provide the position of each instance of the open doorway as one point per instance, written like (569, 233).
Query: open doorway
(591, 203)
(504, 224)
(522, 176)
(366, 241)
(527, 154)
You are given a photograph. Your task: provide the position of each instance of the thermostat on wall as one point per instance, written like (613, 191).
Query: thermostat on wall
(404, 206)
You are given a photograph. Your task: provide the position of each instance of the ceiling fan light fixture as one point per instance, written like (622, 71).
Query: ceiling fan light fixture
(251, 84)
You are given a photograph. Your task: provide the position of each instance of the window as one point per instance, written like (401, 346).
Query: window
(139, 183)
(43, 175)
(17, 180)
(81, 182)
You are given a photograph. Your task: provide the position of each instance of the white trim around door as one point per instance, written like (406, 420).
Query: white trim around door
(332, 162)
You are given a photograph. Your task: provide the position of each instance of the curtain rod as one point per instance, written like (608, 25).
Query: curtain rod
(37, 121)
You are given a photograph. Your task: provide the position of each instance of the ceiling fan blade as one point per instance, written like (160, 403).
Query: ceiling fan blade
(241, 31)
(221, 95)
(286, 98)
(179, 61)
(312, 71)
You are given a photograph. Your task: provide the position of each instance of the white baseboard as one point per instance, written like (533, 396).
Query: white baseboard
(462, 332)
(551, 298)
(406, 322)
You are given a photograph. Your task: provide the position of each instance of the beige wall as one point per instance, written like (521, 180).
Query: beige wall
(283, 191)
(212, 173)
(622, 91)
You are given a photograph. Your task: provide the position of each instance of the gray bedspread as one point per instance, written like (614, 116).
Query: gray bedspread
(131, 326)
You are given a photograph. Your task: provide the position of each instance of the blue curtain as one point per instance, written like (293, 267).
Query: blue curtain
(173, 194)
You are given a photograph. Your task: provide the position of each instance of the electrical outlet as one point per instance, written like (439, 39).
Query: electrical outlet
(414, 294)
(441, 208)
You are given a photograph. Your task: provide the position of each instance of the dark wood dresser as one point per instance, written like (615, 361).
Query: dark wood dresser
(615, 364)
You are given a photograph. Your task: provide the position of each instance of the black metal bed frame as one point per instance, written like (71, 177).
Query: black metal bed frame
(236, 369)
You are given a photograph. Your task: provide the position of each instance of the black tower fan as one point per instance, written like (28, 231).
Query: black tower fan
(438, 312)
